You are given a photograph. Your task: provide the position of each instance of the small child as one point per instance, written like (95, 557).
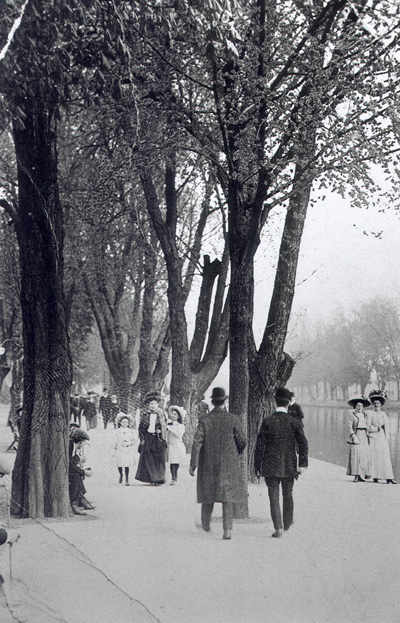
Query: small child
(176, 447)
(125, 438)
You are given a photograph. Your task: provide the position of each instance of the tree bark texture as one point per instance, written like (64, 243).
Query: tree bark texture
(40, 476)
(271, 366)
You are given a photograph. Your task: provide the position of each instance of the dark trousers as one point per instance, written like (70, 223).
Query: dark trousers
(227, 515)
(273, 483)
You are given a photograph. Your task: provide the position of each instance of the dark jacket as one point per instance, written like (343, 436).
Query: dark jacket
(275, 452)
(217, 443)
(296, 411)
(145, 421)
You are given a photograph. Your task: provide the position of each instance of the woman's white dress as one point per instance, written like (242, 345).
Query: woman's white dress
(379, 451)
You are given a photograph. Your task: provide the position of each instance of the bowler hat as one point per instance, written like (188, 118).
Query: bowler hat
(282, 393)
(218, 393)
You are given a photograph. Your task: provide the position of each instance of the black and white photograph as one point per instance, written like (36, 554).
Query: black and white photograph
(199, 311)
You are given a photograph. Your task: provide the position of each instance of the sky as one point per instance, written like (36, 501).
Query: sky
(339, 267)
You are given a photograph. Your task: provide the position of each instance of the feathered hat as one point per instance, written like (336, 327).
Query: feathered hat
(378, 394)
(152, 396)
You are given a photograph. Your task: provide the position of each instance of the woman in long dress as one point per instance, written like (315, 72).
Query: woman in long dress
(152, 446)
(379, 451)
(358, 439)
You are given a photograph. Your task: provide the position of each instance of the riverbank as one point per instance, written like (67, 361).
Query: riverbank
(140, 557)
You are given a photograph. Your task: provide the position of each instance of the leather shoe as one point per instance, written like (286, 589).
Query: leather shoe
(227, 535)
(277, 534)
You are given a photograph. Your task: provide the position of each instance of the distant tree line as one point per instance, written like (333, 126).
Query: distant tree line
(351, 351)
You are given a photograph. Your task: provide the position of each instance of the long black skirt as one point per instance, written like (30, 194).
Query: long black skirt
(151, 466)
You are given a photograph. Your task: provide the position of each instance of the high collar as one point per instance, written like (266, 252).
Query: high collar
(281, 410)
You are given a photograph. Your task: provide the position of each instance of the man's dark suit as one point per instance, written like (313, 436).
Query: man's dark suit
(275, 458)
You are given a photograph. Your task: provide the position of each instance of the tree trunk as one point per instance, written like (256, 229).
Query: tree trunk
(271, 366)
(40, 475)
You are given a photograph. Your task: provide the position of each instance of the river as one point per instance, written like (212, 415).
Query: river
(326, 429)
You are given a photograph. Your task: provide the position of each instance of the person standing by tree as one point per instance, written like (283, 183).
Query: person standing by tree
(76, 409)
(217, 443)
(104, 406)
(275, 458)
(90, 413)
(113, 411)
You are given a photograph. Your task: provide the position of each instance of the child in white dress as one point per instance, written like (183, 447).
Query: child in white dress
(175, 431)
(125, 444)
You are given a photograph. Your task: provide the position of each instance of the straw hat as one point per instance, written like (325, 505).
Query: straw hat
(353, 401)
(180, 410)
(121, 415)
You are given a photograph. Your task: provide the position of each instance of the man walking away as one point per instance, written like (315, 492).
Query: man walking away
(217, 443)
(275, 458)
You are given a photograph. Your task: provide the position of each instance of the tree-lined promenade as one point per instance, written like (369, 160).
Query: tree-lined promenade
(146, 146)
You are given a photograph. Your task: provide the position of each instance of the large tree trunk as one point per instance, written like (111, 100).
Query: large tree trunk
(243, 240)
(40, 476)
(271, 367)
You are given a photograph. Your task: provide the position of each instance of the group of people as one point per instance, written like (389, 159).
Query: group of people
(281, 454)
(159, 439)
(369, 453)
(85, 409)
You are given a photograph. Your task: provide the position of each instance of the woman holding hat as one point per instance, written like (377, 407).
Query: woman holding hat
(152, 446)
(358, 428)
(379, 452)
(125, 438)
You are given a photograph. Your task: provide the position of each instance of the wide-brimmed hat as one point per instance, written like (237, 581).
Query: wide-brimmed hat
(378, 394)
(121, 415)
(152, 396)
(78, 434)
(218, 393)
(181, 411)
(353, 401)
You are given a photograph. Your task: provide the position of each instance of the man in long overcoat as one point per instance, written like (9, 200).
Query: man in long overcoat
(217, 443)
(275, 458)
